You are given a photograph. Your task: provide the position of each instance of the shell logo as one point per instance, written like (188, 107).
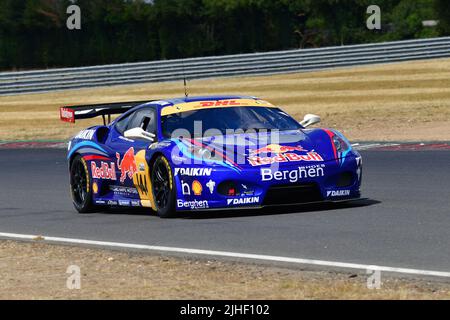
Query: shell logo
(197, 188)
(95, 187)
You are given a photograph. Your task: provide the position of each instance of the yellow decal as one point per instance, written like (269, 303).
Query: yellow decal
(147, 204)
(95, 187)
(197, 188)
(190, 106)
(142, 181)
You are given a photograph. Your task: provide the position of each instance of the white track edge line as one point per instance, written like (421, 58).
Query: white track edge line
(249, 256)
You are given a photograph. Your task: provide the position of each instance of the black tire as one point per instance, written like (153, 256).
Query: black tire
(80, 185)
(163, 188)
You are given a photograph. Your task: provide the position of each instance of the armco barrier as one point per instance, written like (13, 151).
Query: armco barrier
(220, 66)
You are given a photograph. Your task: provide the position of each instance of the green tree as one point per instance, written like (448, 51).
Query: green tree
(442, 10)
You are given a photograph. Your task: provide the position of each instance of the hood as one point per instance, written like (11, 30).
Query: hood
(259, 149)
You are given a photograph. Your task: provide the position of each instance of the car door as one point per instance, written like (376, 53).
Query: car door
(126, 149)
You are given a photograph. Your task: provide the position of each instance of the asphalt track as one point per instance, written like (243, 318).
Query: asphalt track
(405, 223)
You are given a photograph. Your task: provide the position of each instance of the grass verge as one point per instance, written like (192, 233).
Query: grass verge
(394, 102)
(38, 271)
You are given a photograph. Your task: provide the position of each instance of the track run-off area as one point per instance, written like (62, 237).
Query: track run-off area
(402, 226)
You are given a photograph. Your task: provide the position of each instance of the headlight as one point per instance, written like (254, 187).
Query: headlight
(359, 168)
(340, 144)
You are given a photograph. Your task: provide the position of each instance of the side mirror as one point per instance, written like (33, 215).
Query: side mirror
(309, 120)
(139, 133)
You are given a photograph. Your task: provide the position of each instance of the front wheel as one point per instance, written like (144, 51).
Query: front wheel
(163, 188)
(80, 185)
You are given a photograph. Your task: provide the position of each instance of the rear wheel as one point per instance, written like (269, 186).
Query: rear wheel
(80, 185)
(163, 188)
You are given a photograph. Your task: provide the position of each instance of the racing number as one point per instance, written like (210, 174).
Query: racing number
(141, 181)
(142, 184)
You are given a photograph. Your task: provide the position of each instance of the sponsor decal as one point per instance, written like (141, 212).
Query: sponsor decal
(219, 103)
(193, 172)
(95, 188)
(245, 191)
(338, 193)
(105, 171)
(124, 203)
(67, 115)
(276, 148)
(293, 175)
(240, 201)
(160, 145)
(85, 134)
(193, 204)
(112, 203)
(211, 185)
(100, 202)
(123, 191)
(163, 144)
(197, 188)
(135, 203)
(142, 167)
(127, 166)
(280, 154)
(184, 107)
(186, 188)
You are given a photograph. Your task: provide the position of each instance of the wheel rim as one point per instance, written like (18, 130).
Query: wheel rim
(79, 183)
(161, 185)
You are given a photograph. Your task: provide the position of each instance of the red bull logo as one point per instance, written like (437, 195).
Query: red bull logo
(276, 148)
(105, 171)
(281, 154)
(127, 166)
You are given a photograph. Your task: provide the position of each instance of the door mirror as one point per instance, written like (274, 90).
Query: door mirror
(309, 120)
(139, 133)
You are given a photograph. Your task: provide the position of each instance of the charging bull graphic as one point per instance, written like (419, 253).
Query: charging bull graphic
(128, 165)
(276, 148)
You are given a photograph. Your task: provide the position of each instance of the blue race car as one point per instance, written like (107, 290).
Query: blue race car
(206, 153)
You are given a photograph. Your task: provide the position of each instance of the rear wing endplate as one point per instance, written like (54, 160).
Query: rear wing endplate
(70, 114)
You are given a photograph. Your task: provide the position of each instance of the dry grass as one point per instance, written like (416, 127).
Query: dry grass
(38, 271)
(403, 101)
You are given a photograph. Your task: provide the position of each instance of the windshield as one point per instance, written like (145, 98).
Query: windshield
(228, 119)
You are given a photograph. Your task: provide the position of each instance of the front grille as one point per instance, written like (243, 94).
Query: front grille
(293, 194)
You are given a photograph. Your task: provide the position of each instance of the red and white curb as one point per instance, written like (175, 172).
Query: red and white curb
(368, 146)
(411, 146)
(236, 255)
(375, 146)
(33, 145)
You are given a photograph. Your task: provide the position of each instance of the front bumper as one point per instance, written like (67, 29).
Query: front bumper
(330, 181)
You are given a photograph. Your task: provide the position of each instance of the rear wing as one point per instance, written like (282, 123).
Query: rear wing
(70, 114)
